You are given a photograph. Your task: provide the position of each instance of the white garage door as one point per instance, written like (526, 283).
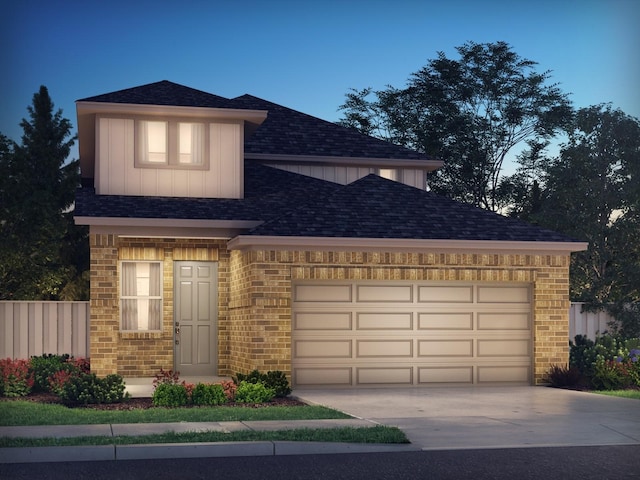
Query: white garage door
(365, 334)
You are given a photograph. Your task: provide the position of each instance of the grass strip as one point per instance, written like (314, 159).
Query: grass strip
(376, 434)
(635, 394)
(23, 413)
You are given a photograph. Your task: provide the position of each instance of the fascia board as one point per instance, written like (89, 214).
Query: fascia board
(253, 116)
(250, 242)
(165, 222)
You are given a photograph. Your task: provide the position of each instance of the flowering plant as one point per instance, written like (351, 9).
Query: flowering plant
(15, 378)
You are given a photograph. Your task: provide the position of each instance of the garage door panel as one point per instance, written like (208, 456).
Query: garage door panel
(445, 321)
(504, 348)
(323, 349)
(504, 321)
(445, 348)
(322, 293)
(384, 321)
(384, 293)
(384, 375)
(437, 375)
(384, 348)
(334, 376)
(322, 321)
(503, 294)
(504, 374)
(445, 294)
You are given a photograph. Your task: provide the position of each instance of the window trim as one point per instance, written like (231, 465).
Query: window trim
(122, 297)
(173, 154)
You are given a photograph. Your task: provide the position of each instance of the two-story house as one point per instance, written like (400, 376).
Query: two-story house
(236, 234)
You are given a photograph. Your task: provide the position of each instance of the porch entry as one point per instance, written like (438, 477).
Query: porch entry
(195, 318)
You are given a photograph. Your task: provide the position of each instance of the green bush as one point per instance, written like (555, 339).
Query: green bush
(253, 393)
(15, 378)
(45, 367)
(50, 371)
(610, 375)
(208, 394)
(87, 388)
(170, 395)
(275, 380)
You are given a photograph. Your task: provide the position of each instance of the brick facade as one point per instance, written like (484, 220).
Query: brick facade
(254, 306)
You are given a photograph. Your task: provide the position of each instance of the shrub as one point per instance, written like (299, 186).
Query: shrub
(229, 388)
(44, 367)
(15, 378)
(563, 376)
(166, 377)
(610, 375)
(51, 371)
(275, 380)
(86, 388)
(170, 395)
(208, 394)
(253, 393)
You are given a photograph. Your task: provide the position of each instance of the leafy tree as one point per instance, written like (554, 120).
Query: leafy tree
(592, 192)
(469, 112)
(42, 252)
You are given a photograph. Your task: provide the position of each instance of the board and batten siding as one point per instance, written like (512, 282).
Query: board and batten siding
(116, 173)
(346, 175)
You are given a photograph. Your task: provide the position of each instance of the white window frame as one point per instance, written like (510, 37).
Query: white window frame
(173, 157)
(142, 299)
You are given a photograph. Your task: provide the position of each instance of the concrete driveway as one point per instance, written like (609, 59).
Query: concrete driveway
(491, 417)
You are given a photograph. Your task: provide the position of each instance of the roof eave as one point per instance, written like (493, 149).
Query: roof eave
(421, 164)
(254, 242)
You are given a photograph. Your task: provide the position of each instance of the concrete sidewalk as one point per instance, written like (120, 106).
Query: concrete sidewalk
(181, 450)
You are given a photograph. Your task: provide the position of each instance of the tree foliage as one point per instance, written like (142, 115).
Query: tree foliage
(42, 252)
(592, 192)
(470, 112)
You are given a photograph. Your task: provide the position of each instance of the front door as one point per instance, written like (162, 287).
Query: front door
(195, 318)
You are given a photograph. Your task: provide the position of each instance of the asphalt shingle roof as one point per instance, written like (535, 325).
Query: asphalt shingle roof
(295, 205)
(374, 207)
(162, 93)
(289, 132)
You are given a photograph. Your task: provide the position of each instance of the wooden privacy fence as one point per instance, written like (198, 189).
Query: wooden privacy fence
(34, 328)
(589, 324)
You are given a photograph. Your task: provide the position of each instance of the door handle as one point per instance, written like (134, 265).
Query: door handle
(177, 330)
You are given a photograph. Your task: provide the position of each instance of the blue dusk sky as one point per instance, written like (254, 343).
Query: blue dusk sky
(305, 55)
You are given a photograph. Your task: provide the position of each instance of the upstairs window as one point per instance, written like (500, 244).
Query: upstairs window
(171, 144)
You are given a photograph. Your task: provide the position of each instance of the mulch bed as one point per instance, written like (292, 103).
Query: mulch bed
(145, 403)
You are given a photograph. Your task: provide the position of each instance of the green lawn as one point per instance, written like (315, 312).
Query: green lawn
(24, 413)
(376, 434)
(21, 412)
(621, 393)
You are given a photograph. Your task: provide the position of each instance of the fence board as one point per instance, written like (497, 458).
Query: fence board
(589, 324)
(35, 328)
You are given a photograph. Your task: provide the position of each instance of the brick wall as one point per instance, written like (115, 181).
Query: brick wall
(142, 354)
(261, 302)
(254, 306)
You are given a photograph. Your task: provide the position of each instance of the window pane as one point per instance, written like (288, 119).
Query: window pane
(141, 297)
(154, 141)
(190, 143)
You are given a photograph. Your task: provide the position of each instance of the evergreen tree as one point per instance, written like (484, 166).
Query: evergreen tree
(37, 191)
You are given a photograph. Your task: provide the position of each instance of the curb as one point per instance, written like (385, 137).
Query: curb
(189, 450)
